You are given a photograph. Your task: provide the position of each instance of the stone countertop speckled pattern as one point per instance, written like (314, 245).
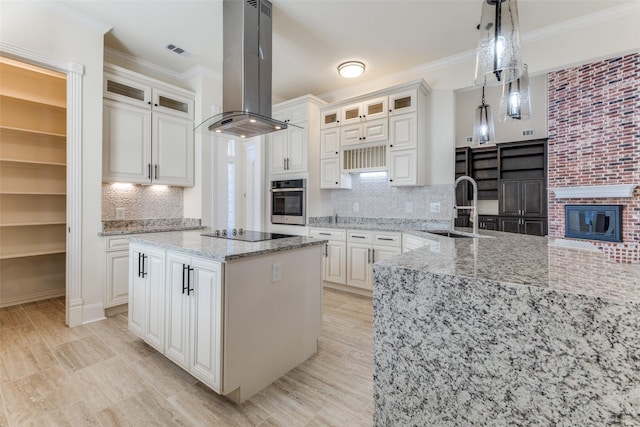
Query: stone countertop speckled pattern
(137, 226)
(523, 260)
(220, 249)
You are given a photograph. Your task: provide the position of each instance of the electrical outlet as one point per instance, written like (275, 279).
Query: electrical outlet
(276, 272)
(435, 247)
(434, 207)
(408, 207)
(119, 213)
(356, 207)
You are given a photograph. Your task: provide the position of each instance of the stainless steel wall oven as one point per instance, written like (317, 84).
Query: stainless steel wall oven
(288, 202)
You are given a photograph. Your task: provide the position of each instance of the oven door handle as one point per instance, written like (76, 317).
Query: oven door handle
(285, 190)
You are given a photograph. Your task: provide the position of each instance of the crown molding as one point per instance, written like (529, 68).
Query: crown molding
(200, 70)
(585, 21)
(420, 71)
(121, 57)
(75, 16)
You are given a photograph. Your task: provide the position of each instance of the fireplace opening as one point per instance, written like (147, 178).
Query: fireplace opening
(593, 222)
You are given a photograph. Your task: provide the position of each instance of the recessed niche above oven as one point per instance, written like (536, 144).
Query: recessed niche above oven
(594, 222)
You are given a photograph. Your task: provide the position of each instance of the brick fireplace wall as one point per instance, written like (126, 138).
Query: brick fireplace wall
(594, 139)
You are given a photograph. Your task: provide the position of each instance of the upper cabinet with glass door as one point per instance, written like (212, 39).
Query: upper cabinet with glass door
(123, 88)
(370, 109)
(403, 102)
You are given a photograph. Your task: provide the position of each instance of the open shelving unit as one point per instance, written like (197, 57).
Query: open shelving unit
(484, 169)
(33, 184)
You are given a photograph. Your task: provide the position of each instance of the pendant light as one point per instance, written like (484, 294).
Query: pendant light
(515, 103)
(483, 132)
(498, 58)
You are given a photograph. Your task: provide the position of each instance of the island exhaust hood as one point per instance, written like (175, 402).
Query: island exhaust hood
(246, 76)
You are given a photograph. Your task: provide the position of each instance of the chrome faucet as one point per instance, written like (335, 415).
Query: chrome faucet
(473, 208)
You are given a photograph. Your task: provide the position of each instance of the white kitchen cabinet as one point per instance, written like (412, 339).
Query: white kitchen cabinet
(172, 150)
(403, 102)
(116, 262)
(403, 132)
(147, 131)
(334, 256)
(330, 118)
(374, 131)
(147, 294)
(194, 316)
(402, 168)
(396, 129)
(330, 143)
(288, 151)
(364, 248)
(331, 175)
(126, 139)
(359, 269)
(369, 109)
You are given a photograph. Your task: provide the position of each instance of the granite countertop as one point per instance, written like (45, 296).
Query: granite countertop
(120, 227)
(519, 259)
(220, 249)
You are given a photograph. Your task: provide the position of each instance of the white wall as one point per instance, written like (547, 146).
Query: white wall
(468, 100)
(35, 27)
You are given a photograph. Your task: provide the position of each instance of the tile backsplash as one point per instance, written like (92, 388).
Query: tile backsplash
(371, 196)
(141, 201)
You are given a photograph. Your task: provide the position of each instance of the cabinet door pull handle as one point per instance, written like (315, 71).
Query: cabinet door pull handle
(144, 272)
(373, 256)
(389, 239)
(368, 256)
(139, 263)
(149, 170)
(155, 171)
(284, 163)
(325, 234)
(326, 250)
(358, 237)
(189, 288)
(184, 281)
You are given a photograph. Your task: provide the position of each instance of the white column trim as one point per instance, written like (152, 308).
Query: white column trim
(74, 72)
(74, 199)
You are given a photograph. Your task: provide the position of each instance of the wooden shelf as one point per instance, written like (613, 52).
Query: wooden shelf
(32, 240)
(25, 178)
(61, 137)
(33, 181)
(33, 84)
(24, 114)
(32, 162)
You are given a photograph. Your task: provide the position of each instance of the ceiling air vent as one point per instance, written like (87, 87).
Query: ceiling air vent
(180, 51)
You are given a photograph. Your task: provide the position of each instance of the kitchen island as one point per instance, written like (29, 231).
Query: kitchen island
(236, 315)
(506, 330)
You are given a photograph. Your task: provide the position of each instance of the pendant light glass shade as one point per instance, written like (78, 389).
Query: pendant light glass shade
(483, 132)
(498, 58)
(515, 103)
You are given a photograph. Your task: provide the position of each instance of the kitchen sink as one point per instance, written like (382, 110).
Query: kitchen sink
(448, 233)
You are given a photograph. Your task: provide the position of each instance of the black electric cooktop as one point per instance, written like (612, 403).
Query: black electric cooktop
(246, 235)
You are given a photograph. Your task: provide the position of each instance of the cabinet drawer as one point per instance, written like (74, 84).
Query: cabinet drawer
(387, 239)
(327, 234)
(117, 243)
(359, 236)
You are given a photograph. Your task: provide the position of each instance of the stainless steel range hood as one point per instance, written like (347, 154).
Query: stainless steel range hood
(246, 77)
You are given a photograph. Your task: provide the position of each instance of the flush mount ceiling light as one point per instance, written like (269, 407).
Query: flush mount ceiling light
(351, 69)
(515, 103)
(498, 58)
(483, 132)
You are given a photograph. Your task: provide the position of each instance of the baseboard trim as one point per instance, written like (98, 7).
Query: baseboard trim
(92, 313)
(31, 298)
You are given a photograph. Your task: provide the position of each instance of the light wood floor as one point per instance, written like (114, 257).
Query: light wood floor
(102, 375)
